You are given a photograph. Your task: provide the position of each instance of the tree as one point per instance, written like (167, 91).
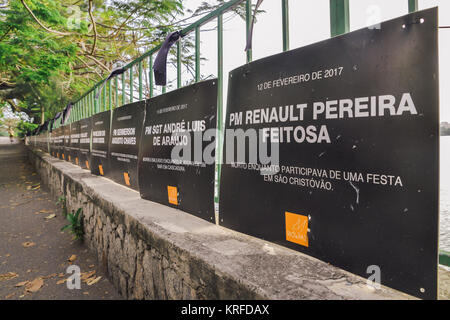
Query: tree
(52, 51)
(10, 124)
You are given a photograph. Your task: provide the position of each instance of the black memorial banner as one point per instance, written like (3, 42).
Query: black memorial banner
(124, 143)
(84, 143)
(74, 142)
(62, 135)
(100, 143)
(176, 164)
(66, 146)
(56, 141)
(356, 122)
(51, 143)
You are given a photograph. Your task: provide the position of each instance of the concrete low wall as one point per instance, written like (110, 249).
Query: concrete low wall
(151, 251)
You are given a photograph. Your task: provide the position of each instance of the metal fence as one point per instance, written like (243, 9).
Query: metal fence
(114, 94)
(119, 90)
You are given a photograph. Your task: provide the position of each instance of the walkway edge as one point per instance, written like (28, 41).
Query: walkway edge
(151, 251)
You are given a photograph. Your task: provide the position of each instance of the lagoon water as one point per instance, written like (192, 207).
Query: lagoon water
(444, 233)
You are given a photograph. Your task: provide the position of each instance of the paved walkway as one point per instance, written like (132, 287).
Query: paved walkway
(34, 253)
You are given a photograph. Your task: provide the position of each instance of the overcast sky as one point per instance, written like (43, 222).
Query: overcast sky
(309, 23)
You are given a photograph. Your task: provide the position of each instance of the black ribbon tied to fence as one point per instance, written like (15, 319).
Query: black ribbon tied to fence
(160, 65)
(66, 112)
(113, 73)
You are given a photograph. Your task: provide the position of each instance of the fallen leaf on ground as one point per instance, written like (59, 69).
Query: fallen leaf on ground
(34, 285)
(28, 244)
(10, 295)
(86, 293)
(21, 284)
(86, 275)
(50, 276)
(92, 265)
(61, 275)
(72, 258)
(61, 281)
(8, 276)
(93, 280)
(45, 211)
(50, 216)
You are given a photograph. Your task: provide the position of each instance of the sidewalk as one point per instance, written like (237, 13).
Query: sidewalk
(34, 253)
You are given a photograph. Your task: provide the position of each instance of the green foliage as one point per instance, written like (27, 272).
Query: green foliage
(52, 51)
(63, 203)
(75, 225)
(23, 127)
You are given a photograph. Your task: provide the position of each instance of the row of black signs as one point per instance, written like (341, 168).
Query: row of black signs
(133, 146)
(354, 121)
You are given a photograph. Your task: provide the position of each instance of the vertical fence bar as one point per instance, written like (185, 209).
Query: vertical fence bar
(413, 5)
(197, 54)
(179, 63)
(219, 114)
(96, 102)
(131, 84)
(123, 88)
(109, 95)
(104, 98)
(116, 89)
(285, 23)
(339, 17)
(141, 94)
(248, 18)
(150, 75)
(92, 104)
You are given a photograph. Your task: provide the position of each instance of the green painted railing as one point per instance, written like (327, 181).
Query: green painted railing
(444, 258)
(109, 99)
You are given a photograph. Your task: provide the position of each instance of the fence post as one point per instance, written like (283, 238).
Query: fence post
(413, 5)
(219, 113)
(96, 107)
(109, 95)
(285, 23)
(140, 80)
(123, 89)
(248, 17)
(197, 54)
(150, 74)
(179, 63)
(131, 84)
(104, 98)
(116, 89)
(339, 17)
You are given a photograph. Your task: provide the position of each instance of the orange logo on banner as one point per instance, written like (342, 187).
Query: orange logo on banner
(76, 161)
(127, 178)
(296, 228)
(63, 155)
(100, 168)
(173, 195)
(70, 159)
(57, 154)
(87, 164)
